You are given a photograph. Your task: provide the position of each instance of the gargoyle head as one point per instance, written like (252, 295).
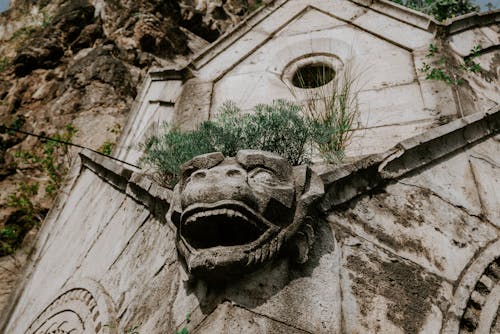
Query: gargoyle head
(235, 213)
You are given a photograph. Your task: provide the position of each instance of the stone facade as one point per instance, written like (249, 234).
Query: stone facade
(406, 237)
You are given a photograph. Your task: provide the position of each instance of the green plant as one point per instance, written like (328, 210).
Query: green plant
(27, 215)
(51, 159)
(16, 124)
(184, 330)
(330, 107)
(441, 9)
(277, 127)
(445, 69)
(46, 20)
(4, 63)
(22, 33)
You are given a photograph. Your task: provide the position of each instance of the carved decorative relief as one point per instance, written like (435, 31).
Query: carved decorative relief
(475, 306)
(233, 214)
(481, 314)
(78, 310)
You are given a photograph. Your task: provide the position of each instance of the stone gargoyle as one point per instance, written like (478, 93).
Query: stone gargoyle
(233, 214)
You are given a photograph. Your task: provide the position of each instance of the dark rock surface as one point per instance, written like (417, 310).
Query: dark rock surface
(80, 63)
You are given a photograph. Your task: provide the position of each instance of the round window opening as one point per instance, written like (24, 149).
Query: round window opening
(313, 75)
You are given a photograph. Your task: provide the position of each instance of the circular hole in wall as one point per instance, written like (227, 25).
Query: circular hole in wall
(313, 75)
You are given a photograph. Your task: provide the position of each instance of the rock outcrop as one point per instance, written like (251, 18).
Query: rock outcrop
(77, 65)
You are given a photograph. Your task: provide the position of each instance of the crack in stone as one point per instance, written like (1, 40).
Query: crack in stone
(460, 207)
(270, 318)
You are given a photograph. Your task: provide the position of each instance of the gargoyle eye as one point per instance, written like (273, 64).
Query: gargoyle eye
(264, 176)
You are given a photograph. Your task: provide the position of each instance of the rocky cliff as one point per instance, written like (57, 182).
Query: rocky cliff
(70, 70)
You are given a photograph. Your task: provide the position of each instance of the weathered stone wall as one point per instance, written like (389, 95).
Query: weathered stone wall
(382, 45)
(418, 253)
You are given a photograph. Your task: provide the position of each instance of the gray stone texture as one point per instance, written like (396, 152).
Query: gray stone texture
(406, 238)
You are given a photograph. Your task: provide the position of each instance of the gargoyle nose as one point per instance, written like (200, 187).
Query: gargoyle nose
(216, 184)
(223, 173)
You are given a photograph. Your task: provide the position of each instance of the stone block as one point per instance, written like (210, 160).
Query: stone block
(341, 9)
(87, 212)
(419, 225)
(306, 297)
(453, 181)
(487, 177)
(463, 42)
(377, 140)
(248, 90)
(231, 56)
(193, 106)
(383, 293)
(112, 240)
(394, 31)
(137, 265)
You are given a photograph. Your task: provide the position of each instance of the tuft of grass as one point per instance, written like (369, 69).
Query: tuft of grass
(329, 103)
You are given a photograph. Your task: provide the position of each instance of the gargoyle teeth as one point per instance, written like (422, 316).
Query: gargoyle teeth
(217, 212)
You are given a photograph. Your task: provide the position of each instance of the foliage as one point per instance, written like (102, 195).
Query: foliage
(27, 215)
(4, 63)
(441, 9)
(107, 147)
(331, 109)
(444, 69)
(22, 33)
(277, 128)
(16, 124)
(254, 4)
(51, 159)
(48, 159)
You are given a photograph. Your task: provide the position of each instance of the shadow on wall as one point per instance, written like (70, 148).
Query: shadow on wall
(261, 286)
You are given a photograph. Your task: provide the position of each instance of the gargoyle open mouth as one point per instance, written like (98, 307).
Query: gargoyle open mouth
(226, 223)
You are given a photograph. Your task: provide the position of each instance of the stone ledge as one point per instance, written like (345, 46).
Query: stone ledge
(106, 169)
(472, 20)
(345, 182)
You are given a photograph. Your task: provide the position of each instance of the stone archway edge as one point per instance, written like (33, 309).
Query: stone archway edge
(343, 182)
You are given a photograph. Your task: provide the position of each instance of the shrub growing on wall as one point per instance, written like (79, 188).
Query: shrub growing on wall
(279, 127)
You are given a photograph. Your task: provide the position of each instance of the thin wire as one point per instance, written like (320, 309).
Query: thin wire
(2, 127)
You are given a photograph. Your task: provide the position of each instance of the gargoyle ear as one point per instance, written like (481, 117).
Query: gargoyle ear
(174, 212)
(308, 185)
(301, 242)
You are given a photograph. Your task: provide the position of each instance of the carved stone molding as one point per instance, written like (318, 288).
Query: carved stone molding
(83, 308)
(475, 307)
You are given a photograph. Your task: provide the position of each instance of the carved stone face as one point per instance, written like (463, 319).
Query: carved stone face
(235, 213)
